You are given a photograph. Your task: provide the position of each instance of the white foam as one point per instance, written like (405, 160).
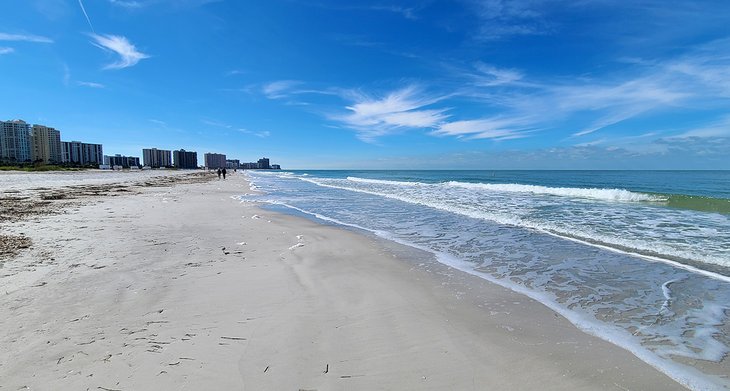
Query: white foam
(620, 195)
(608, 242)
(384, 182)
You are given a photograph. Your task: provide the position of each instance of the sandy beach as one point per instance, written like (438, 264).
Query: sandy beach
(174, 284)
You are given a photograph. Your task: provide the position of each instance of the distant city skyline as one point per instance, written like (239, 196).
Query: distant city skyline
(471, 84)
(23, 143)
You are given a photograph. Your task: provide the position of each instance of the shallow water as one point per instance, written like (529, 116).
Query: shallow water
(619, 263)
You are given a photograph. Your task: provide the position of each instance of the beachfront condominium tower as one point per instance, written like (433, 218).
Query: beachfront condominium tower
(185, 159)
(121, 161)
(15, 142)
(83, 154)
(156, 158)
(215, 160)
(46, 144)
(264, 163)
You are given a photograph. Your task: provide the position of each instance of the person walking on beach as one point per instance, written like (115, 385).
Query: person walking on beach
(224, 174)
(219, 173)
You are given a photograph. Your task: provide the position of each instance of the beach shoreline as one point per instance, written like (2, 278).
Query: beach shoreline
(186, 287)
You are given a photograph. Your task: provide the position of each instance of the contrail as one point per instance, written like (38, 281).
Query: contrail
(87, 16)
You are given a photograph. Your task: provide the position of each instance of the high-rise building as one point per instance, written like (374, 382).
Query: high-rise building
(15, 142)
(46, 144)
(215, 160)
(156, 158)
(264, 163)
(85, 154)
(122, 161)
(234, 163)
(185, 159)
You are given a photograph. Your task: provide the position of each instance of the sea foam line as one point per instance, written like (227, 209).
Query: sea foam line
(526, 224)
(684, 375)
(619, 195)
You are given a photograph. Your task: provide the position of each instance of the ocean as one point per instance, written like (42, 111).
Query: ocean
(638, 258)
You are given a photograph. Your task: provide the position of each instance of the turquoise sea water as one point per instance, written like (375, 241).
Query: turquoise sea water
(639, 258)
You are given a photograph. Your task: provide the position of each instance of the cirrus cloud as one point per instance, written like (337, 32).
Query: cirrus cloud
(127, 52)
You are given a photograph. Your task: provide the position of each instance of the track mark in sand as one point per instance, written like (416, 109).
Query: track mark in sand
(350, 376)
(234, 338)
(300, 239)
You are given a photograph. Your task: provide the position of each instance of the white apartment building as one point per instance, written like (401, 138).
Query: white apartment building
(84, 154)
(156, 158)
(15, 142)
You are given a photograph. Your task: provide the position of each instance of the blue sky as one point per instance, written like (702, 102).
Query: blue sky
(523, 84)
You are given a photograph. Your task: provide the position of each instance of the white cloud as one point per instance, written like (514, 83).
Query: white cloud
(126, 3)
(402, 109)
(25, 38)
(261, 134)
(217, 124)
(138, 4)
(90, 84)
(720, 128)
(583, 106)
(223, 125)
(279, 89)
(492, 76)
(503, 18)
(6, 50)
(488, 128)
(128, 53)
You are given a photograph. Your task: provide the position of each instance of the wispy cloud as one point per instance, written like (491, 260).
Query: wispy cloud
(279, 89)
(499, 19)
(223, 125)
(4, 50)
(406, 12)
(128, 53)
(261, 134)
(90, 84)
(488, 75)
(399, 110)
(235, 72)
(25, 38)
(719, 128)
(585, 105)
(490, 128)
(127, 3)
(217, 124)
(139, 4)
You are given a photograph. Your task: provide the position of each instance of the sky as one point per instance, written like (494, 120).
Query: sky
(328, 84)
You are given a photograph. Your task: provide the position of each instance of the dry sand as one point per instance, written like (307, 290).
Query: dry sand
(185, 288)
